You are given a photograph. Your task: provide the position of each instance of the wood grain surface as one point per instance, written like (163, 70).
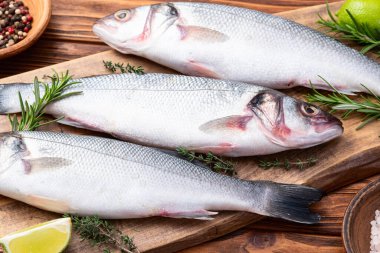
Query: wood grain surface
(273, 235)
(69, 37)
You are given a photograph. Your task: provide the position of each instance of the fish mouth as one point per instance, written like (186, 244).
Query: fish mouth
(107, 28)
(99, 28)
(104, 32)
(331, 132)
(329, 122)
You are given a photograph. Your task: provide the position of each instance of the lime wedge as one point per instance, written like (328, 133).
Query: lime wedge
(49, 237)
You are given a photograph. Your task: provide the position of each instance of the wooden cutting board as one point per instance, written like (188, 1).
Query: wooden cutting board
(352, 157)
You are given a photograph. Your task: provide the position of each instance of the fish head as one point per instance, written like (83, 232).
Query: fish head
(293, 123)
(134, 30)
(11, 147)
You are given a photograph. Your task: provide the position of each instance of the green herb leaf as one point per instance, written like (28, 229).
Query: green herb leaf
(360, 32)
(32, 114)
(216, 163)
(123, 69)
(102, 233)
(287, 164)
(338, 101)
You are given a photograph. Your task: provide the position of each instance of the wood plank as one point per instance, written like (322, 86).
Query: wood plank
(258, 241)
(48, 52)
(332, 208)
(357, 159)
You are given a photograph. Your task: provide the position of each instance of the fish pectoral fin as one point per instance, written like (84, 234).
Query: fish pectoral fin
(35, 164)
(202, 34)
(235, 122)
(196, 214)
(200, 69)
(47, 203)
(220, 149)
(68, 122)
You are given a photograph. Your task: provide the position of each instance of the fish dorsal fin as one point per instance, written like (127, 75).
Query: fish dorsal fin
(32, 165)
(235, 123)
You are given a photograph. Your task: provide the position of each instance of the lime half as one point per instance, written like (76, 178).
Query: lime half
(364, 11)
(48, 237)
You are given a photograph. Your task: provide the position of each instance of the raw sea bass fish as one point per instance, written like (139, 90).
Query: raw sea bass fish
(88, 175)
(237, 44)
(170, 111)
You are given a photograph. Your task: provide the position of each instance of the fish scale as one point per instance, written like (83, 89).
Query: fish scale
(239, 44)
(87, 175)
(200, 114)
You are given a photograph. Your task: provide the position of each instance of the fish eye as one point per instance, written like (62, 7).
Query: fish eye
(309, 110)
(122, 15)
(173, 11)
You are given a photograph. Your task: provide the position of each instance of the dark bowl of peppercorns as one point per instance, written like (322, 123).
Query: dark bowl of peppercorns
(22, 22)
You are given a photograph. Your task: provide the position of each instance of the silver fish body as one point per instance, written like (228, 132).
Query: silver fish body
(201, 114)
(237, 44)
(88, 175)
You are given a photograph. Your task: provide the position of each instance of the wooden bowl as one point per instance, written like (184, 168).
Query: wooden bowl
(40, 10)
(356, 229)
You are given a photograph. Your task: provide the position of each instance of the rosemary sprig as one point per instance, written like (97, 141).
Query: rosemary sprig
(216, 163)
(338, 101)
(358, 32)
(287, 164)
(32, 115)
(102, 233)
(113, 67)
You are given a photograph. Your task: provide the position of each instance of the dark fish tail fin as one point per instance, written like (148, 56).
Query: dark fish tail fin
(289, 201)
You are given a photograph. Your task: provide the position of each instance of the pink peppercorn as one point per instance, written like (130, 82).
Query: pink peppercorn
(11, 30)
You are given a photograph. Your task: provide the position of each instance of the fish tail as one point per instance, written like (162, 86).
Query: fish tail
(288, 201)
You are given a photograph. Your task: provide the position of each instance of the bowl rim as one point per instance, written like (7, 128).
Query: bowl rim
(40, 28)
(348, 214)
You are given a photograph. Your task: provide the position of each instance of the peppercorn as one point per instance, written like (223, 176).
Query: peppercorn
(10, 43)
(15, 22)
(11, 30)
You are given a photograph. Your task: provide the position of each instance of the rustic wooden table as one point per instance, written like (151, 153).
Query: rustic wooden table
(69, 36)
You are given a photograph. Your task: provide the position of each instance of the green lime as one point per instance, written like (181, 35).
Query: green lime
(364, 11)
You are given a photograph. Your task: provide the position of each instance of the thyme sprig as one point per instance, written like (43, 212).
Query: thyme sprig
(358, 32)
(216, 163)
(102, 233)
(338, 101)
(287, 164)
(113, 67)
(32, 115)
